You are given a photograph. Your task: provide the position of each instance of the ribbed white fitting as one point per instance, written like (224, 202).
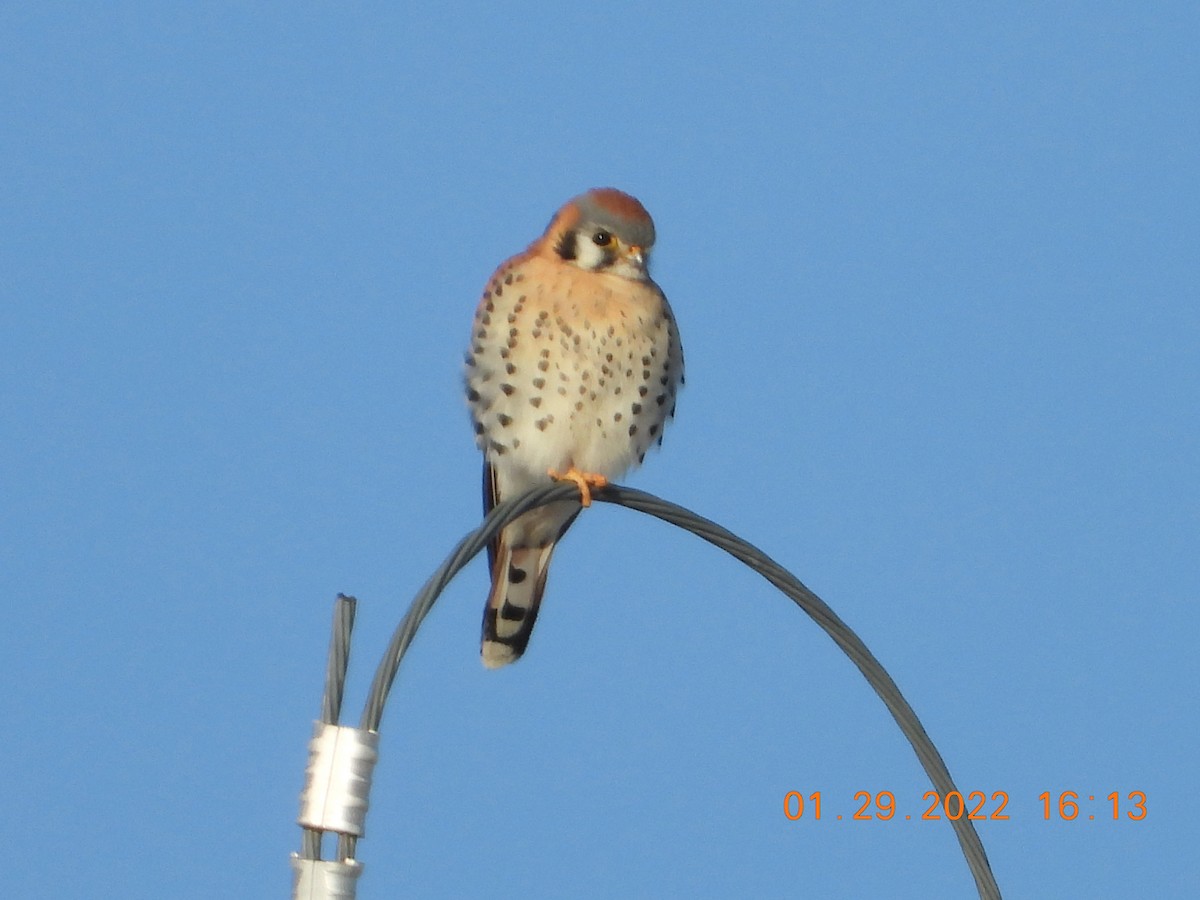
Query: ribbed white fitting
(338, 779)
(324, 879)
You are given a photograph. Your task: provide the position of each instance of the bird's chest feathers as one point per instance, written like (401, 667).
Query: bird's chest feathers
(574, 374)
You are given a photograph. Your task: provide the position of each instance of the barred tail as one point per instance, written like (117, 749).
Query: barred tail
(518, 581)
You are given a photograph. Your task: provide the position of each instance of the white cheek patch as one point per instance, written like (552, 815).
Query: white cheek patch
(587, 254)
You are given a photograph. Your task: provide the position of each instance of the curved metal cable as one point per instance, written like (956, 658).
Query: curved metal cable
(810, 603)
(463, 553)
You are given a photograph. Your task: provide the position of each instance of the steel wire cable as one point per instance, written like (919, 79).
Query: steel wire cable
(792, 587)
(336, 664)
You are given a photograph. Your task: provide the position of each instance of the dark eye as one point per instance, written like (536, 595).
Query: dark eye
(602, 238)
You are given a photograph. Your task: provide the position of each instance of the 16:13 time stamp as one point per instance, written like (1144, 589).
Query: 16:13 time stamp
(976, 805)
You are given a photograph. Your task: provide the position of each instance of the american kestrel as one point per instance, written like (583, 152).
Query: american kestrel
(574, 365)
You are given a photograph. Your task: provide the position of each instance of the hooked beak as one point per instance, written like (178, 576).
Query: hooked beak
(636, 255)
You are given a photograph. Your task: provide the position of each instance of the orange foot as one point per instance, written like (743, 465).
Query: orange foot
(586, 481)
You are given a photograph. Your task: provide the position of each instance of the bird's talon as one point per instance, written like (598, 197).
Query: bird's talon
(585, 481)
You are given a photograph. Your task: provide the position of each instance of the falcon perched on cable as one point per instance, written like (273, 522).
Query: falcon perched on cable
(574, 365)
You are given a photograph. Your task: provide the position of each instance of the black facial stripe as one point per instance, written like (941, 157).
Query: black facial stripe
(566, 245)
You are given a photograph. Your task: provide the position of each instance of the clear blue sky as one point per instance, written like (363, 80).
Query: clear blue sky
(936, 272)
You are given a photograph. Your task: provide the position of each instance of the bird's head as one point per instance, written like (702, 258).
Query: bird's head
(604, 230)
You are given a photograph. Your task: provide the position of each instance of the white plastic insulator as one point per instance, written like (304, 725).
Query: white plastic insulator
(324, 879)
(338, 779)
